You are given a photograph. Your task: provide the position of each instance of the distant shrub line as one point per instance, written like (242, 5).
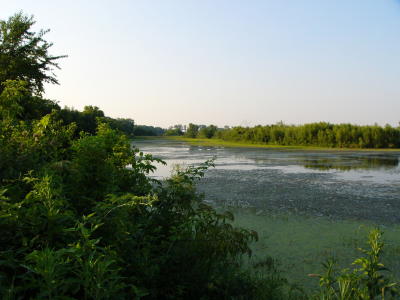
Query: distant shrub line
(314, 134)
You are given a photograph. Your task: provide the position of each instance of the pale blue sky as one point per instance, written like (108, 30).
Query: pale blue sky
(226, 62)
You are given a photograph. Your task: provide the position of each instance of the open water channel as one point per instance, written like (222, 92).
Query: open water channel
(306, 205)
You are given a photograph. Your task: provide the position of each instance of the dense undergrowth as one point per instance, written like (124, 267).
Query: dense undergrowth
(76, 222)
(81, 219)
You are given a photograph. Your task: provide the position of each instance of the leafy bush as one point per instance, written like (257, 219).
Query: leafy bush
(364, 282)
(81, 219)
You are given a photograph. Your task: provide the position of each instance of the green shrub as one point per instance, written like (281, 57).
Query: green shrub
(365, 280)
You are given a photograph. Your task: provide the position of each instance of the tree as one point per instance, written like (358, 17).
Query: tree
(144, 130)
(175, 130)
(24, 54)
(207, 131)
(17, 102)
(192, 130)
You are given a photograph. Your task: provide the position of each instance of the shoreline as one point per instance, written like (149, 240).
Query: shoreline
(230, 144)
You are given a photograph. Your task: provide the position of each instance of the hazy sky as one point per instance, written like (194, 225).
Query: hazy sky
(226, 62)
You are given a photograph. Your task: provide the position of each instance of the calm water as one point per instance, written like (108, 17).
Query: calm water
(344, 185)
(305, 205)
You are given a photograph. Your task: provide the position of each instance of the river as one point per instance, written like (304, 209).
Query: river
(306, 205)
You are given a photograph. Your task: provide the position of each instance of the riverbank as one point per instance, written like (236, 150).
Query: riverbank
(223, 143)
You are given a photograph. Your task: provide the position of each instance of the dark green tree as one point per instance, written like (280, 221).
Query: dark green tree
(24, 54)
(175, 130)
(208, 131)
(144, 130)
(17, 101)
(192, 130)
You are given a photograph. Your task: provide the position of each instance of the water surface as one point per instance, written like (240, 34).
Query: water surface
(305, 205)
(349, 185)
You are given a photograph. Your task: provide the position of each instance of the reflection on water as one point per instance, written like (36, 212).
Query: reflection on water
(358, 165)
(350, 163)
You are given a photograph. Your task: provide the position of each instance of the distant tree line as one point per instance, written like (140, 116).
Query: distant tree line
(175, 130)
(144, 130)
(88, 120)
(314, 134)
(192, 131)
(317, 134)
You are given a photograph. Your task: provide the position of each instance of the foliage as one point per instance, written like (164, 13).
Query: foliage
(126, 126)
(81, 218)
(79, 224)
(143, 130)
(25, 66)
(175, 130)
(25, 146)
(88, 120)
(24, 54)
(207, 131)
(364, 281)
(17, 102)
(192, 130)
(316, 134)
